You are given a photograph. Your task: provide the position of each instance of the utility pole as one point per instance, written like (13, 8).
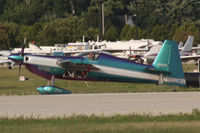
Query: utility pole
(102, 10)
(136, 23)
(101, 17)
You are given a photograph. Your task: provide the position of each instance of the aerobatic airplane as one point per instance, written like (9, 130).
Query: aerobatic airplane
(100, 66)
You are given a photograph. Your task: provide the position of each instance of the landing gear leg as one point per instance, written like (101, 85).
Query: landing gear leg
(160, 82)
(52, 81)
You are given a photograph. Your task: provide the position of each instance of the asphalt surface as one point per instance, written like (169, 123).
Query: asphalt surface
(99, 104)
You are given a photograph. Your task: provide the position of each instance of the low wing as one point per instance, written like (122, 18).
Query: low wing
(5, 61)
(75, 66)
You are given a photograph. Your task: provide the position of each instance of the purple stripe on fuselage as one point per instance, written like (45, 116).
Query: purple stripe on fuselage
(34, 69)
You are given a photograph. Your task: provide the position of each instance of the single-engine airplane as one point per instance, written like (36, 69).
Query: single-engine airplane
(100, 66)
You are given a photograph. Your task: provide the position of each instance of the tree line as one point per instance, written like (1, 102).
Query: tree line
(48, 22)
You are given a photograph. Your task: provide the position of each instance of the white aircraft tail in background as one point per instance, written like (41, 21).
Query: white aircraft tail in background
(186, 50)
(188, 45)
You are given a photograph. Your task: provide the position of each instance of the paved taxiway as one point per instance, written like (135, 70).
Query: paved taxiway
(107, 104)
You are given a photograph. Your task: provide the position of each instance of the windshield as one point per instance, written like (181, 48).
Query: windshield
(90, 55)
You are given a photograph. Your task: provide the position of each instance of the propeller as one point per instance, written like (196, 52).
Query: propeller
(23, 47)
(19, 71)
(21, 54)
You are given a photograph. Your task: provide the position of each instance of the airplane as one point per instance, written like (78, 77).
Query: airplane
(184, 51)
(4, 54)
(34, 48)
(4, 59)
(136, 45)
(128, 54)
(100, 66)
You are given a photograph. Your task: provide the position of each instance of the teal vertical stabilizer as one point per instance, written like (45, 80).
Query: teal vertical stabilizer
(169, 64)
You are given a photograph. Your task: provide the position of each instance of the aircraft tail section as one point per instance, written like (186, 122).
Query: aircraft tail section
(34, 46)
(188, 44)
(168, 63)
(180, 45)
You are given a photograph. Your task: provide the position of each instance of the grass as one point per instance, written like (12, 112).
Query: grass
(131, 127)
(190, 67)
(132, 123)
(181, 123)
(10, 85)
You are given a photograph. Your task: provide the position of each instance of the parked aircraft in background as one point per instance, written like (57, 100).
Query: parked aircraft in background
(184, 51)
(4, 54)
(128, 54)
(100, 66)
(136, 45)
(4, 59)
(34, 48)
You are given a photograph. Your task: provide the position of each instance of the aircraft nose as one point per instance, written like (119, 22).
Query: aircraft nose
(16, 58)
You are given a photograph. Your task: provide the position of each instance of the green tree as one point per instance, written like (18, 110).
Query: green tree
(2, 4)
(185, 30)
(8, 33)
(145, 13)
(47, 34)
(58, 31)
(184, 11)
(172, 31)
(131, 34)
(162, 11)
(32, 32)
(91, 33)
(124, 32)
(159, 33)
(113, 10)
(23, 32)
(93, 15)
(80, 5)
(12, 31)
(4, 39)
(112, 34)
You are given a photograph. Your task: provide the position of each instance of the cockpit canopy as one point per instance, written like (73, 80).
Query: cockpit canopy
(91, 55)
